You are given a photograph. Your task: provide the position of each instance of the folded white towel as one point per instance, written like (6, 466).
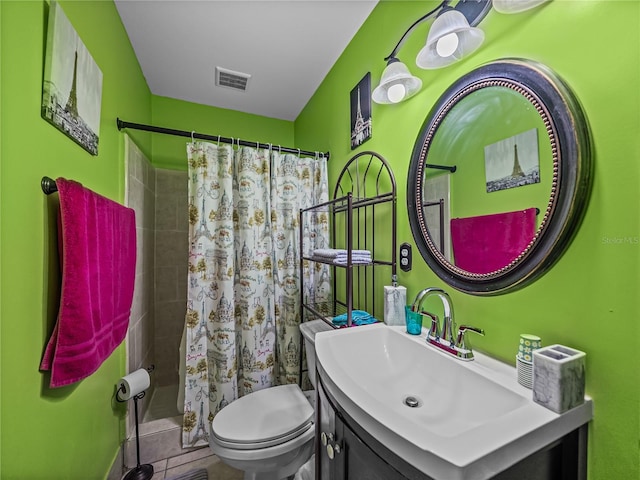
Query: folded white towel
(354, 260)
(354, 257)
(327, 252)
(334, 252)
(343, 256)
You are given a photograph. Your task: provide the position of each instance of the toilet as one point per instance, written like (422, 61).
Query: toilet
(269, 434)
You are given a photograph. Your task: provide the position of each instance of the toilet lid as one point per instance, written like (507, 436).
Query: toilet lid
(266, 417)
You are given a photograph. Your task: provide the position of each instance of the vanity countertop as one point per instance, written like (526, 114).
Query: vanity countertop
(472, 419)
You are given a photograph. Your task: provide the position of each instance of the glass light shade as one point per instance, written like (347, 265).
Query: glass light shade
(440, 39)
(397, 84)
(515, 6)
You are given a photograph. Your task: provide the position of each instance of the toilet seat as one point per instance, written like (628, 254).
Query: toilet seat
(263, 419)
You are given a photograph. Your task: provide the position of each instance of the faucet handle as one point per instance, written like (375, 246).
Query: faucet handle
(461, 342)
(434, 329)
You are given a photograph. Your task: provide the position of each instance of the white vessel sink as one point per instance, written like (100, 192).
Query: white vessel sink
(472, 419)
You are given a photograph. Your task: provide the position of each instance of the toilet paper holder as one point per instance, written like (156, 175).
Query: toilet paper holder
(140, 472)
(123, 389)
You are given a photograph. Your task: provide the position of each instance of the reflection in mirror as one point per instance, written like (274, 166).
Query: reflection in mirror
(497, 177)
(480, 136)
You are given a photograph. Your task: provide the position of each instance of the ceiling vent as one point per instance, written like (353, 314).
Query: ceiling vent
(231, 79)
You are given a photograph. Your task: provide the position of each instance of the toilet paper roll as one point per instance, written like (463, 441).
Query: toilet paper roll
(131, 385)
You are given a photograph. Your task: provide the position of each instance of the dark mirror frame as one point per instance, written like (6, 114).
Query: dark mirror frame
(568, 132)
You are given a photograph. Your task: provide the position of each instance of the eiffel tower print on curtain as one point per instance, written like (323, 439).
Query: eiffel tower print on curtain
(72, 85)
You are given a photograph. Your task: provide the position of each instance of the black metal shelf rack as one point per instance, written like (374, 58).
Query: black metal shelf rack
(362, 216)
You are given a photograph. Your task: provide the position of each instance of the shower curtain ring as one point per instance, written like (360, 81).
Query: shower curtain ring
(192, 139)
(218, 140)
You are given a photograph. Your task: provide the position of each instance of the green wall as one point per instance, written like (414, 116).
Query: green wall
(589, 300)
(72, 432)
(170, 151)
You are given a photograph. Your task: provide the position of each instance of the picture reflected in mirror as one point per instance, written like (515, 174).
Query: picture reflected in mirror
(506, 168)
(481, 135)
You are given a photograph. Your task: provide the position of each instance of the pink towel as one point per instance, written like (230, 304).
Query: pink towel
(97, 239)
(490, 242)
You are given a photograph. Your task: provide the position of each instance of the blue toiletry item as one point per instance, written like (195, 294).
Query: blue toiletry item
(358, 317)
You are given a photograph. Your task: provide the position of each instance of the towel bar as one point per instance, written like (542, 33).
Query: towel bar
(452, 169)
(48, 185)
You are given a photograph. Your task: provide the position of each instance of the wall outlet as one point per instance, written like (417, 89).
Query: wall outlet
(405, 257)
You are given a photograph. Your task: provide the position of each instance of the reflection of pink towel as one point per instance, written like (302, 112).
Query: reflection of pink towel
(487, 243)
(97, 240)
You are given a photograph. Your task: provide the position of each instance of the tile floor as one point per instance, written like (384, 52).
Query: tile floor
(163, 405)
(202, 458)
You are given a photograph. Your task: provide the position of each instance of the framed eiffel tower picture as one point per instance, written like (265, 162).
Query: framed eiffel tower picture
(512, 162)
(72, 86)
(361, 112)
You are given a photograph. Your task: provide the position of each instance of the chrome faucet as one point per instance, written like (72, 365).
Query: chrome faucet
(448, 324)
(444, 337)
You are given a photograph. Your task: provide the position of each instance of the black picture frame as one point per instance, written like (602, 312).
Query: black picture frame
(361, 112)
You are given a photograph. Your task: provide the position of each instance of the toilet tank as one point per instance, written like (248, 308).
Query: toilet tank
(309, 330)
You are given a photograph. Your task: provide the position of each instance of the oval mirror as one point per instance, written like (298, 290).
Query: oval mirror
(499, 177)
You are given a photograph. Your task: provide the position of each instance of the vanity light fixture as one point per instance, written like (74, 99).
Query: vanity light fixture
(397, 83)
(452, 36)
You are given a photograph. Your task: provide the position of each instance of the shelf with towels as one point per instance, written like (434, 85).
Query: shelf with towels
(363, 206)
(361, 218)
(342, 257)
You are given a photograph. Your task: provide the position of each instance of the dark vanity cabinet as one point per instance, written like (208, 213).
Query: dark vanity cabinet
(345, 451)
(340, 453)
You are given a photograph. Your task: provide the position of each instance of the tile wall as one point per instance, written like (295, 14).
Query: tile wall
(140, 184)
(171, 254)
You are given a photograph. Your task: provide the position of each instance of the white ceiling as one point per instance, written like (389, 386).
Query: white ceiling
(287, 46)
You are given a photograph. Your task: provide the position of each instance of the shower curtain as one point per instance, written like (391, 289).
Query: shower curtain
(243, 304)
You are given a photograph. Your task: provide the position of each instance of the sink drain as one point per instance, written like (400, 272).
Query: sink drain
(411, 401)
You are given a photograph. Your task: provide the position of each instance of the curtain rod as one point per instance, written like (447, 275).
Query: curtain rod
(215, 138)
